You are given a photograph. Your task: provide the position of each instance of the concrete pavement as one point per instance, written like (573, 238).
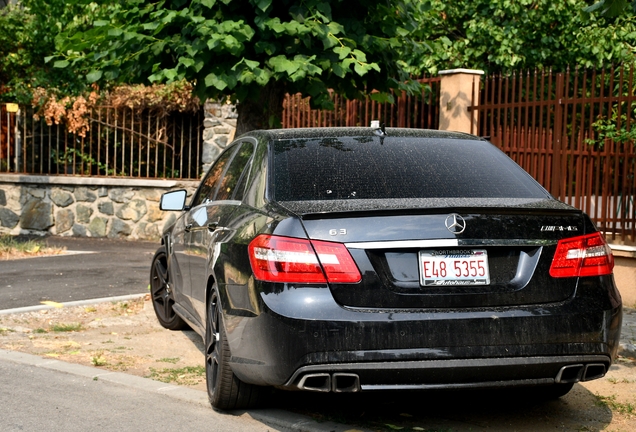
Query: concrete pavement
(38, 394)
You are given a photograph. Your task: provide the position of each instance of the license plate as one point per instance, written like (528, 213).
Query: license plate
(454, 267)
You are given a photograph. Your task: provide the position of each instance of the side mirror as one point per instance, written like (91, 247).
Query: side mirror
(174, 200)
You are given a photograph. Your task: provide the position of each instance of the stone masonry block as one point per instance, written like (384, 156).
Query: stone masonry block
(36, 215)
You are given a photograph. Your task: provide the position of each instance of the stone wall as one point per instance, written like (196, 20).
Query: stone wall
(219, 128)
(104, 207)
(85, 207)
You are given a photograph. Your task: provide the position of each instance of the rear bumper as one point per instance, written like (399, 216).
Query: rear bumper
(302, 331)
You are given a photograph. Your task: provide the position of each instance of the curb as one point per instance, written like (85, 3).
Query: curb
(277, 418)
(70, 304)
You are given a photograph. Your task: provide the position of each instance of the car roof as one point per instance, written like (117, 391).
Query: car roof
(334, 132)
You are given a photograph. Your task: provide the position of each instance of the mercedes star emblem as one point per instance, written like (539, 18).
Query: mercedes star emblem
(455, 223)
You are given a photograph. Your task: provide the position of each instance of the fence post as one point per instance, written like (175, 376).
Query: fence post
(557, 185)
(459, 91)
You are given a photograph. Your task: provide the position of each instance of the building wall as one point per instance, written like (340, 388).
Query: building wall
(85, 207)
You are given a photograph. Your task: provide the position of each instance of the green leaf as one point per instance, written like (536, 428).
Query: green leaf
(325, 9)
(382, 97)
(263, 4)
(212, 80)
(48, 59)
(446, 41)
(342, 51)
(338, 70)
(335, 28)
(361, 68)
(262, 76)
(281, 64)
(208, 3)
(93, 76)
(150, 26)
(61, 64)
(360, 56)
(171, 74)
(100, 23)
(187, 62)
(251, 64)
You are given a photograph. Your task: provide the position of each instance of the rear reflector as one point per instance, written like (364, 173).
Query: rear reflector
(286, 259)
(588, 255)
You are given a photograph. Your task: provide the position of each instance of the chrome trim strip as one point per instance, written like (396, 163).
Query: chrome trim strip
(400, 244)
(451, 386)
(404, 244)
(506, 242)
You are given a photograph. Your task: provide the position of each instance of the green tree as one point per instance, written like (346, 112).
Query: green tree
(27, 37)
(250, 51)
(504, 35)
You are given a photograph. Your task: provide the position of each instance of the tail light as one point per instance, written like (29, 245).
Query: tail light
(587, 255)
(286, 259)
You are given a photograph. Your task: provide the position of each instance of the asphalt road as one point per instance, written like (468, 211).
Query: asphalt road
(93, 268)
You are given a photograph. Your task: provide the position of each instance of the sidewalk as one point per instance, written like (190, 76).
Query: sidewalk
(628, 333)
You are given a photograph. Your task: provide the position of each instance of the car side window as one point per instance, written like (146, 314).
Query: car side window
(210, 183)
(235, 172)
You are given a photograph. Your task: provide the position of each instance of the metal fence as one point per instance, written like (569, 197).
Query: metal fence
(419, 111)
(120, 142)
(571, 131)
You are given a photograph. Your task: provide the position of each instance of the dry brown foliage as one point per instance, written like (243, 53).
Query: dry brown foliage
(161, 99)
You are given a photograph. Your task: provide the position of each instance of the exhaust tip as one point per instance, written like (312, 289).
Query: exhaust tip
(570, 374)
(593, 371)
(345, 383)
(320, 382)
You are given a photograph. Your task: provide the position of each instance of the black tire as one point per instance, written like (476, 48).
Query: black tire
(225, 390)
(161, 293)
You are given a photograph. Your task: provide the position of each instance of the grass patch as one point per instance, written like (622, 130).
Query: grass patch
(39, 331)
(71, 327)
(188, 375)
(4, 331)
(615, 406)
(172, 360)
(20, 247)
(99, 359)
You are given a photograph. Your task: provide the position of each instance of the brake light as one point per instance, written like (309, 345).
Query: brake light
(286, 259)
(588, 255)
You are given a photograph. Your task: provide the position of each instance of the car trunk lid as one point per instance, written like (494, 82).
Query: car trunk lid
(393, 246)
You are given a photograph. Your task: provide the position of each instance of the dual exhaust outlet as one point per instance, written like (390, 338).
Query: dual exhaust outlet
(350, 383)
(580, 372)
(324, 382)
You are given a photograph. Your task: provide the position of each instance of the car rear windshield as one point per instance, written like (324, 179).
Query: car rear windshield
(395, 167)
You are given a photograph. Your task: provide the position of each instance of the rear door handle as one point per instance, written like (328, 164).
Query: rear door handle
(188, 227)
(212, 225)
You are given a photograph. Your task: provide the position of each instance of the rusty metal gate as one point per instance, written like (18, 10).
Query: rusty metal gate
(572, 132)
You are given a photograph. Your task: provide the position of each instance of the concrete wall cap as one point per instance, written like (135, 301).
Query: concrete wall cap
(464, 71)
(93, 181)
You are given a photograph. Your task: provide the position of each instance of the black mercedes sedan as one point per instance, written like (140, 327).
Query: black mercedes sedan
(360, 259)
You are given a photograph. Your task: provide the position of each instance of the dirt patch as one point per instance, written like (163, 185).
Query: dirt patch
(126, 337)
(123, 337)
